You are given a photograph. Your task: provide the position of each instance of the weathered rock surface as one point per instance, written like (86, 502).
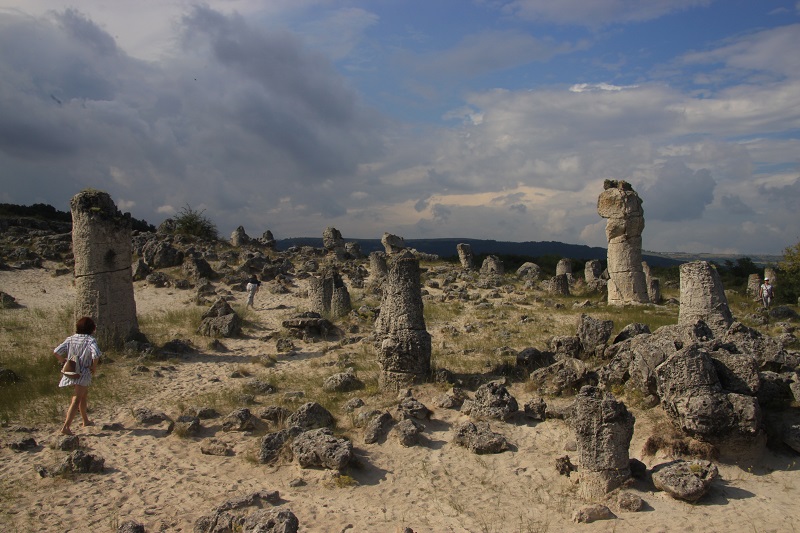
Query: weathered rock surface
(703, 297)
(320, 448)
(685, 480)
(492, 400)
(479, 438)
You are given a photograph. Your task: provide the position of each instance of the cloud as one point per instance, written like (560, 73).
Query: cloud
(588, 87)
(595, 13)
(678, 193)
(238, 114)
(734, 204)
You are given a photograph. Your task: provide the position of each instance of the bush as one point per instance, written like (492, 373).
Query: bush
(192, 222)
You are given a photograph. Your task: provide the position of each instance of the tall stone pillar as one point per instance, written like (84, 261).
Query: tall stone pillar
(328, 294)
(603, 431)
(404, 344)
(703, 297)
(101, 244)
(620, 204)
(592, 270)
(753, 286)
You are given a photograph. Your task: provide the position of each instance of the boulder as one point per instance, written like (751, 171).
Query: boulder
(685, 480)
(320, 448)
(479, 438)
(311, 415)
(492, 400)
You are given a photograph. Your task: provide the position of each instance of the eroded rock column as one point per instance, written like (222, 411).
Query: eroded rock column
(703, 297)
(620, 204)
(465, 256)
(404, 344)
(603, 431)
(328, 294)
(101, 244)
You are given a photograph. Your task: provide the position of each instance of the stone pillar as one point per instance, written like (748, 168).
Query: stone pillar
(620, 204)
(703, 297)
(101, 244)
(404, 344)
(239, 237)
(593, 270)
(772, 275)
(559, 285)
(564, 266)
(654, 290)
(328, 294)
(333, 242)
(603, 431)
(753, 286)
(465, 256)
(377, 265)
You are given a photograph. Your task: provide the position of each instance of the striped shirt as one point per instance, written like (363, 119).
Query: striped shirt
(83, 349)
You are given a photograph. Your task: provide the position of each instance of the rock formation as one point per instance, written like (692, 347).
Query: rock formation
(404, 342)
(392, 243)
(703, 297)
(333, 242)
(492, 265)
(593, 270)
(603, 431)
(465, 256)
(620, 204)
(101, 244)
(328, 294)
(564, 266)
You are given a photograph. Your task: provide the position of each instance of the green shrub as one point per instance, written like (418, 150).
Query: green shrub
(189, 221)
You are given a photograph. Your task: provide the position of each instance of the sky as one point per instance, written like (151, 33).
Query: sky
(485, 119)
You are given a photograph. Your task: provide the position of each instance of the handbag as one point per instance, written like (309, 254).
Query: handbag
(70, 368)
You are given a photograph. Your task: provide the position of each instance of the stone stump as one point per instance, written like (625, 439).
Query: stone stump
(603, 431)
(239, 237)
(769, 273)
(404, 344)
(101, 244)
(492, 265)
(620, 204)
(465, 256)
(654, 290)
(753, 286)
(558, 285)
(702, 297)
(328, 294)
(377, 265)
(592, 270)
(564, 266)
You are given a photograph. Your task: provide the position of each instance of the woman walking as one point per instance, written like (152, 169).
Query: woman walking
(81, 348)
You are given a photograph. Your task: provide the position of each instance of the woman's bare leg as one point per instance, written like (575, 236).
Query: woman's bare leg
(78, 403)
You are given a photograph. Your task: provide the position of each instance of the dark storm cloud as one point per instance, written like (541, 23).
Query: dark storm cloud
(238, 120)
(678, 193)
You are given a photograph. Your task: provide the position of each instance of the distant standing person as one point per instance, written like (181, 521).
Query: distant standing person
(81, 348)
(252, 288)
(766, 293)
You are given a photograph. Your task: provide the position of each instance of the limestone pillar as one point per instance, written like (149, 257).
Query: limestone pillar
(753, 286)
(593, 270)
(465, 256)
(620, 204)
(101, 244)
(703, 297)
(404, 344)
(603, 431)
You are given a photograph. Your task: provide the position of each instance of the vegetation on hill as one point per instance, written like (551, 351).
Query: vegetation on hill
(50, 213)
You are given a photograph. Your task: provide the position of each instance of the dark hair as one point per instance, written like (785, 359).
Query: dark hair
(85, 325)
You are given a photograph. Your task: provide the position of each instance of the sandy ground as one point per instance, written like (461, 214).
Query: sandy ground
(166, 483)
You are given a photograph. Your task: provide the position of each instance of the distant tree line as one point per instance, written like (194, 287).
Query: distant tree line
(48, 212)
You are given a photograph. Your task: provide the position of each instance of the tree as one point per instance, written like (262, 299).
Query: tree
(789, 277)
(189, 221)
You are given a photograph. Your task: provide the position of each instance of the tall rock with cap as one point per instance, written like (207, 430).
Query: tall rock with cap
(101, 244)
(620, 204)
(404, 344)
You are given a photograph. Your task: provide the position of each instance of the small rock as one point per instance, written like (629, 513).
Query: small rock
(592, 513)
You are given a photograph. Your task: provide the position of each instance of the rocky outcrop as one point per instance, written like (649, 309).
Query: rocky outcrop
(465, 256)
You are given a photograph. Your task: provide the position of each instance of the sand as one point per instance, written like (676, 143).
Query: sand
(164, 481)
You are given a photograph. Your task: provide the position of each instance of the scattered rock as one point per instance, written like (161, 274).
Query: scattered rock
(320, 448)
(479, 438)
(685, 480)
